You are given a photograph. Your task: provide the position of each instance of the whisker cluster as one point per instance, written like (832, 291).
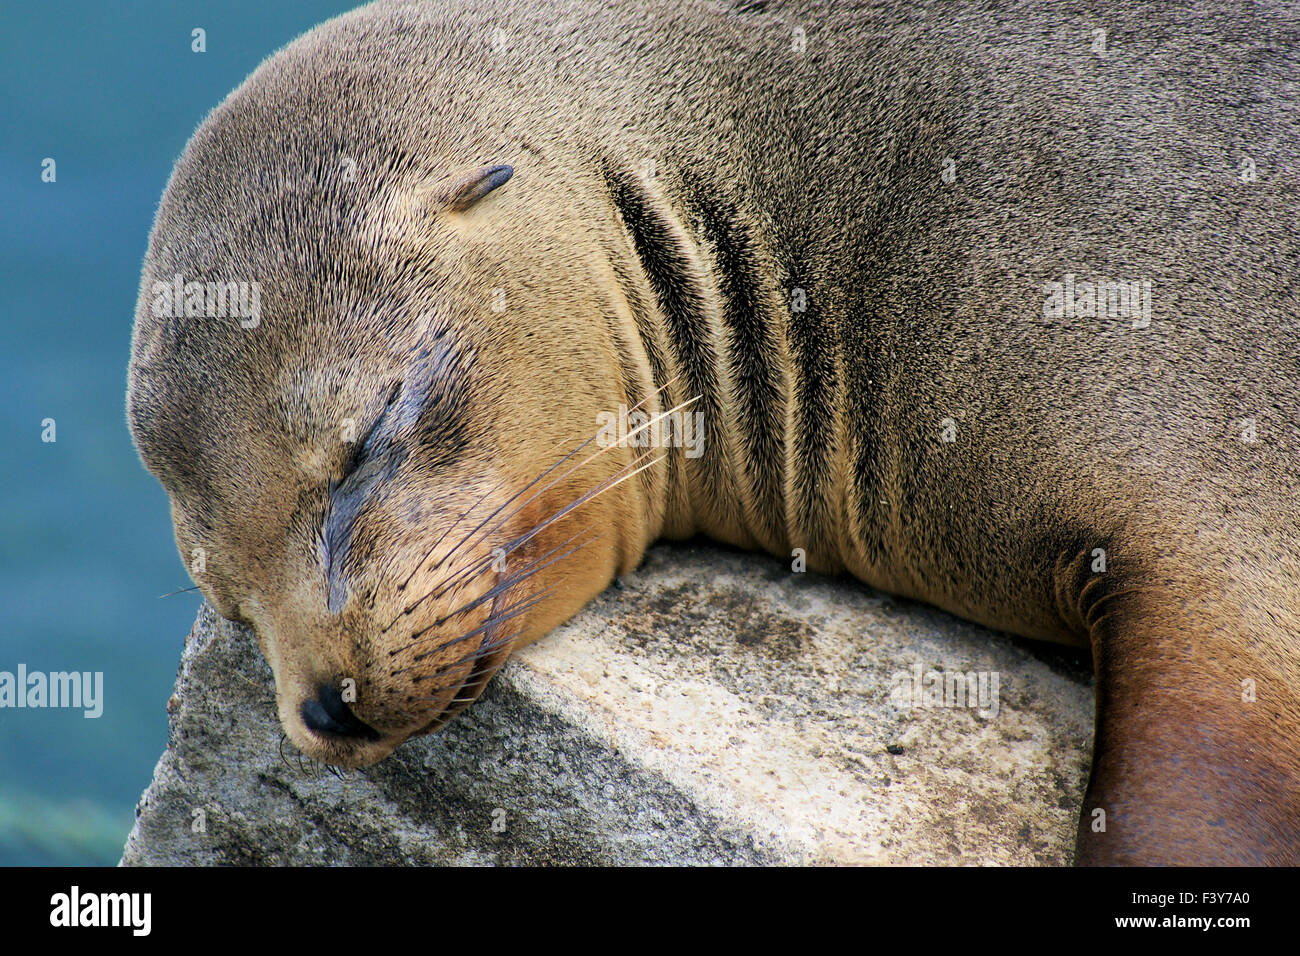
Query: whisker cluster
(492, 652)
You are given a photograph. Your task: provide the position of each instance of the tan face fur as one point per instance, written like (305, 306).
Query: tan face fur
(363, 472)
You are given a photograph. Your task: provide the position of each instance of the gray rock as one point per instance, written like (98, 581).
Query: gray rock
(717, 709)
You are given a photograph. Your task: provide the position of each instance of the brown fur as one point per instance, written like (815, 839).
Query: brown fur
(773, 170)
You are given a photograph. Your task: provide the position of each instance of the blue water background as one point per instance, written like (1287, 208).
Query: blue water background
(111, 92)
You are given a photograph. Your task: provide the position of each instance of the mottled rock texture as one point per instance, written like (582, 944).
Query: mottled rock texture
(717, 708)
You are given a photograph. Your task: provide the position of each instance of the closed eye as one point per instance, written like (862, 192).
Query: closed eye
(372, 438)
(375, 456)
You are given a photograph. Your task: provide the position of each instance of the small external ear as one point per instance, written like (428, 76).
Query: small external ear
(461, 192)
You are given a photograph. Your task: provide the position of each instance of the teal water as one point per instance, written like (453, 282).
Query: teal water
(111, 92)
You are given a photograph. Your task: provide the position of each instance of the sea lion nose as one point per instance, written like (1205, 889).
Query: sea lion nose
(329, 713)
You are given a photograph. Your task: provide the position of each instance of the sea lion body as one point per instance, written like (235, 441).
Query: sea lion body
(866, 245)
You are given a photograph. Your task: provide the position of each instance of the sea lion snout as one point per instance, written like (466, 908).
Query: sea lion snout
(329, 714)
(414, 640)
(426, 610)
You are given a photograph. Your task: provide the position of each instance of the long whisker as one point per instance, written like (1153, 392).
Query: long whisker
(490, 649)
(516, 495)
(512, 611)
(441, 537)
(522, 574)
(178, 591)
(470, 571)
(461, 544)
(411, 608)
(476, 672)
(590, 458)
(489, 623)
(490, 593)
(605, 486)
(500, 586)
(661, 416)
(486, 650)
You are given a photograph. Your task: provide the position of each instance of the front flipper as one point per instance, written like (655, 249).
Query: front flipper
(1197, 753)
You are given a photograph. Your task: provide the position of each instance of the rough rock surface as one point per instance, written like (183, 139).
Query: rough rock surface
(717, 709)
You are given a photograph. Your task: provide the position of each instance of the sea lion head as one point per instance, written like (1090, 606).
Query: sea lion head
(378, 450)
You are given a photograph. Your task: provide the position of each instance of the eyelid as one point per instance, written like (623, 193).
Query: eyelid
(362, 447)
